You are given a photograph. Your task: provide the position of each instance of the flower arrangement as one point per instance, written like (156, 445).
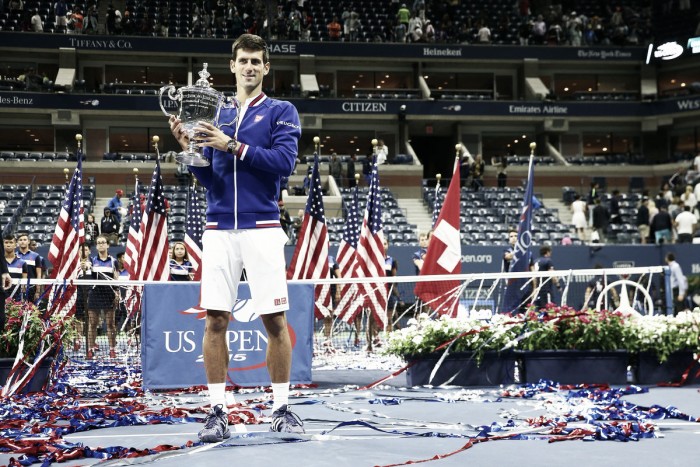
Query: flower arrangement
(551, 328)
(60, 329)
(664, 335)
(424, 335)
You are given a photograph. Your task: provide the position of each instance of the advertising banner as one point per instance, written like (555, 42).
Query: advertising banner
(173, 326)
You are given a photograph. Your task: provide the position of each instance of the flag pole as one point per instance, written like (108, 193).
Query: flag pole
(155, 139)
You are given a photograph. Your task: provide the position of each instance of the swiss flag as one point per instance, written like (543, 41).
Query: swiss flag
(444, 255)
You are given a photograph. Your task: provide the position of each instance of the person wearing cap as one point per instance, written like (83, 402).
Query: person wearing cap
(115, 205)
(110, 227)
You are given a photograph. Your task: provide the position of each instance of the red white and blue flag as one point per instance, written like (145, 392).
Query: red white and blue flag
(193, 235)
(370, 252)
(349, 305)
(69, 234)
(133, 240)
(444, 255)
(152, 258)
(310, 259)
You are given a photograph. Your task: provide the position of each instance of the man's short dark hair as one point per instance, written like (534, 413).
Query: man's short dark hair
(671, 257)
(250, 42)
(23, 234)
(8, 236)
(545, 249)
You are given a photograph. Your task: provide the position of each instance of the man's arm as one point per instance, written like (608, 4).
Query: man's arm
(5, 275)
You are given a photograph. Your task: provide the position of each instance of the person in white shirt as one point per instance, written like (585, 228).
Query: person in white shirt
(679, 283)
(36, 23)
(484, 35)
(382, 152)
(696, 163)
(685, 224)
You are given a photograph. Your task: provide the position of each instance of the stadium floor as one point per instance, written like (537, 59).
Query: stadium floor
(396, 425)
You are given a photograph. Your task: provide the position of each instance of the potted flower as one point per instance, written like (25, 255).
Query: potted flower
(557, 343)
(572, 346)
(477, 349)
(664, 346)
(55, 330)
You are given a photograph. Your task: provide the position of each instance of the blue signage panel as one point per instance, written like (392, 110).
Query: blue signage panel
(173, 327)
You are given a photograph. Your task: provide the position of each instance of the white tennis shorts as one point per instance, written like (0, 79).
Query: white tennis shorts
(261, 252)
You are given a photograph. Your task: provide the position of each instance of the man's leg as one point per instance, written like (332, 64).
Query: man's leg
(279, 347)
(216, 365)
(214, 346)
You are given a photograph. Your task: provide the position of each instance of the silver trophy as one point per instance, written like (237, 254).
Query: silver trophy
(197, 103)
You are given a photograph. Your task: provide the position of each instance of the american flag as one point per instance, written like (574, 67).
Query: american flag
(437, 204)
(67, 238)
(370, 251)
(310, 259)
(152, 263)
(133, 241)
(349, 305)
(193, 236)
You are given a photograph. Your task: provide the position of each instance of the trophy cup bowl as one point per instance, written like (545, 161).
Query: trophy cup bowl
(197, 103)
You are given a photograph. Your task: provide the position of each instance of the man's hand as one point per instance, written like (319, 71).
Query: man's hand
(210, 136)
(179, 132)
(6, 281)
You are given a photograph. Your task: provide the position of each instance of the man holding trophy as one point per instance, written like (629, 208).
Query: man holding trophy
(246, 151)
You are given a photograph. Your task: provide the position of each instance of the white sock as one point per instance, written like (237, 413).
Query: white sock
(217, 395)
(280, 395)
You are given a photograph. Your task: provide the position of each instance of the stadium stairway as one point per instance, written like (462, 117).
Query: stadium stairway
(565, 214)
(416, 213)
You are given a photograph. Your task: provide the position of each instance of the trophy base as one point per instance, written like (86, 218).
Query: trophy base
(192, 159)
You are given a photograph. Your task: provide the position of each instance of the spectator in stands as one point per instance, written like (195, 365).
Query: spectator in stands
(92, 19)
(334, 29)
(685, 224)
(615, 208)
(297, 222)
(181, 268)
(476, 171)
(601, 220)
(679, 284)
(429, 31)
(662, 225)
(111, 20)
(110, 227)
(382, 152)
(32, 261)
(539, 31)
(415, 29)
(36, 23)
(351, 181)
(501, 164)
(335, 168)
(102, 299)
(307, 22)
(642, 220)
(579, 218)
(60, 10)
(5, 284)
(484, 34)
(545, 285)
(235, 239)
(115, 205)
(75, 23)
(465, 165)
(403, 16)
(524, 32)
(688, 198)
